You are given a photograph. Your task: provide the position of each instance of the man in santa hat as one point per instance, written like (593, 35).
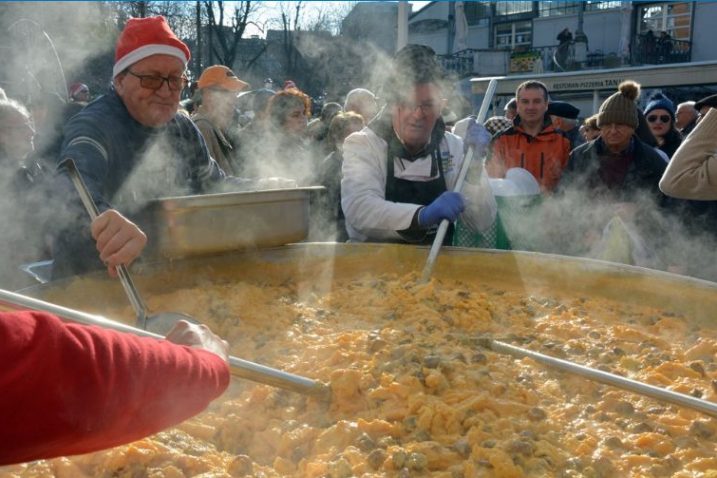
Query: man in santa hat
(130, 146)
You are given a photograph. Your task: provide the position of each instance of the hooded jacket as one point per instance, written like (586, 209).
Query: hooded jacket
(544, 156)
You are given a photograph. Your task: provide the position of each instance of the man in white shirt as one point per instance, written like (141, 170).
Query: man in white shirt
(399, 172)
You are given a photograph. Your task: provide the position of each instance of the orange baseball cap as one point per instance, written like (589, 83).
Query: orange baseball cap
(219, 76)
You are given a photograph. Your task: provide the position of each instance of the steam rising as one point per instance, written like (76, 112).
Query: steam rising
(578, 225)
(568, 224)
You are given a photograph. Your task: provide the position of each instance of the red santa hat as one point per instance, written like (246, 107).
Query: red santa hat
(143, 37)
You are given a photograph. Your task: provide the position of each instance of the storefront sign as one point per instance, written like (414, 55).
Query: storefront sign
(587, 84)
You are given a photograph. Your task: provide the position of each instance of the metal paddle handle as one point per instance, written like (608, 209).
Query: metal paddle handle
(467, 160)
(239, 367)
(658, 393)
(135, 299)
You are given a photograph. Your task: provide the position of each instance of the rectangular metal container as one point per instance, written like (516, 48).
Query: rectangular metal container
(214, 223)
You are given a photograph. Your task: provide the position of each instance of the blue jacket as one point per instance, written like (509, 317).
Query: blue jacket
(124, 165)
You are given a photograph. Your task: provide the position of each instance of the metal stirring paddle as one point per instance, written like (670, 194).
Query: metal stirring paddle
(634, 386)
(160, 323)
(443, 226)
(239, 367)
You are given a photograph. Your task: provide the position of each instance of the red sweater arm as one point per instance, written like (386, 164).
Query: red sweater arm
(69, 389)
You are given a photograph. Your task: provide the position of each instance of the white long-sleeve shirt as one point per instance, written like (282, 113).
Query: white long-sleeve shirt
(370, 217)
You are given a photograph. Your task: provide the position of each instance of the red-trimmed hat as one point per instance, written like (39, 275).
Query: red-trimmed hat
(143, 37)
(77, 88)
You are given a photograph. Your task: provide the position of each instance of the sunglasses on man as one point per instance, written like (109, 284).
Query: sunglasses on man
(663, 118)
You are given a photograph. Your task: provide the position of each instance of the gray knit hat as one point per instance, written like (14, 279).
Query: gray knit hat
(621, 108)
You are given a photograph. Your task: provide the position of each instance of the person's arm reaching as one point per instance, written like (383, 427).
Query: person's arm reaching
(118, 240)
(70, 389)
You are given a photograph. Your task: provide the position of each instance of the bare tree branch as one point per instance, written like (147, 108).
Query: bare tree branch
(227, 32)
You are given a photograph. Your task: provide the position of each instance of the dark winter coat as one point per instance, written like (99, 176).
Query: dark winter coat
(584, 170)
(124, 165)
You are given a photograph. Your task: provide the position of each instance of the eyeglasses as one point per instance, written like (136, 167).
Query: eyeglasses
(426, 108)
(155, 82)
(664, 118)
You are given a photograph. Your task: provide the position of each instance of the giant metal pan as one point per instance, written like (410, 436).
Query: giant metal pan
(317, 264)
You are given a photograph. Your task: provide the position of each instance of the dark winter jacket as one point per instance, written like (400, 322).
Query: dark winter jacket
(124, 165)
(587, 168)
(673, 140)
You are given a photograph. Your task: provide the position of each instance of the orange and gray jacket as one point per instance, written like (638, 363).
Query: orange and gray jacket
(544, 155)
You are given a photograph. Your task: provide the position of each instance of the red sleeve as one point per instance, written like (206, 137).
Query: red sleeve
(67, 389)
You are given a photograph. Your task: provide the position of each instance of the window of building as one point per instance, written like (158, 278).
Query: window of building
(431, 25)
(511, 35)
(510, 8)
(555, 9)
(673, 18)
(477, 13)
(595, 5)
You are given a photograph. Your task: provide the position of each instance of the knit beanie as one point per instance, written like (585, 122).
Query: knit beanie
(620, 108)
(143, 37)
(660, 102)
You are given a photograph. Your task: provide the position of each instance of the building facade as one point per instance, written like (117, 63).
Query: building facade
(521, 36)
(667, 46)
(373, 22)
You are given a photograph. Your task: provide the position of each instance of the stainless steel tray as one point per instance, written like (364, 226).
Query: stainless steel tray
(188, 226)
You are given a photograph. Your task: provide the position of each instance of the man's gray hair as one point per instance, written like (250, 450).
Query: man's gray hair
(357, 96)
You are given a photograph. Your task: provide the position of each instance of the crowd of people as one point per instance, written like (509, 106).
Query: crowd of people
(389, 164)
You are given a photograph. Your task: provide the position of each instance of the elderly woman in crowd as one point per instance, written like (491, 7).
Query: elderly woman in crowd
(285, 143)
(289, 110)
(590, 130)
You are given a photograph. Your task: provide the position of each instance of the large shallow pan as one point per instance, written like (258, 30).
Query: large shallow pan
(292, 326)
(318, 263)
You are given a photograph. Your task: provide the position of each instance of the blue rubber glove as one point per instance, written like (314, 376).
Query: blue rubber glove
(447, 206)
(478, 137)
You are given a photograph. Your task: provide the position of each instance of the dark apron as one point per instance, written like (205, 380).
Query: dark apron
(419, 192)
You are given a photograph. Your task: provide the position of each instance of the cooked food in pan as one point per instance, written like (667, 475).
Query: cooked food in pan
(415, 394)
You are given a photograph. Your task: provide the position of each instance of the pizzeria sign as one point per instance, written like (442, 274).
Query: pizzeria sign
(591, 84)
